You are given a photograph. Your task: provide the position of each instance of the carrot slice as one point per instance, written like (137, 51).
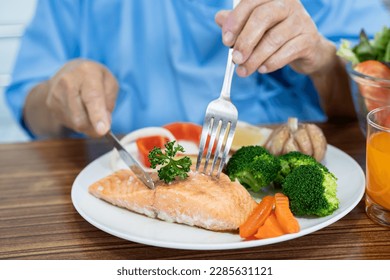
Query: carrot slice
(257, 217)
(270, 228)
(284, 215)
(146, 144)
(185, 131)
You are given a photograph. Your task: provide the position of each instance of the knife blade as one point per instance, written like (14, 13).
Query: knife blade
(130, 161)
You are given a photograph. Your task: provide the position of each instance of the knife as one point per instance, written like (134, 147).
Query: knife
(130, 161)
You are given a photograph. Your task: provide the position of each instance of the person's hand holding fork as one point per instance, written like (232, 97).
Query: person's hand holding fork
(269, 34)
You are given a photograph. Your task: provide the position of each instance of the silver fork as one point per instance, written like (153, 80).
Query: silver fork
(220, 123)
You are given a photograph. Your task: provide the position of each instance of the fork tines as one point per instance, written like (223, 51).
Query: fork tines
(216, 140)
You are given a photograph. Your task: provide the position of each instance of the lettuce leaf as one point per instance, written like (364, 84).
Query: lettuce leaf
(386, 57)
(345, 51)
(380, 44)
(364, 50)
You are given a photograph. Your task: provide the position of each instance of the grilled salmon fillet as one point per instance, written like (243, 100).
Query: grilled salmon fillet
(199, 200)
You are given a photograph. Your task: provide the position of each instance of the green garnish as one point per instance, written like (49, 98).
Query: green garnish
(170, 167)
(376, 49)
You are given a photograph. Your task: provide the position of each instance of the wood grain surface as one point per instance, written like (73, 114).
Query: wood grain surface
(38, 220)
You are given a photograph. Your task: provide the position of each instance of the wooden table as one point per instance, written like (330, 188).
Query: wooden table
(38, 220)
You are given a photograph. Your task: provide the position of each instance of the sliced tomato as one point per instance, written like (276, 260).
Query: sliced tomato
(182, 131)
(373, 68)
(185, 131)
(146, 144)
(376, 93)
(188, 132)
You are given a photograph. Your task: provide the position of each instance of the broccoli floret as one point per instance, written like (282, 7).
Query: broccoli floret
(253, 166)
(291, 160)
(311, 190)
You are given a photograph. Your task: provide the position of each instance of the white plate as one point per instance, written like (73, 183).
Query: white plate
(138, 228)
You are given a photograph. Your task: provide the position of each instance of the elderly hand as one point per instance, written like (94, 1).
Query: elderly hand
(82, 96)
(269, 34)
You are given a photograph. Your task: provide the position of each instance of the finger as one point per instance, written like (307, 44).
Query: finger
(261, 20)
(111, 88)
(77, 117)
(64, 101)
(272, 40)
(289, 52)
(236, 20)
(221, 16)
(93, 98)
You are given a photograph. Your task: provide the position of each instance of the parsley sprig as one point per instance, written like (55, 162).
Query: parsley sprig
(170, 167)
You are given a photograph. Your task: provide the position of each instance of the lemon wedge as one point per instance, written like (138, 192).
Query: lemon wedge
(247, 135)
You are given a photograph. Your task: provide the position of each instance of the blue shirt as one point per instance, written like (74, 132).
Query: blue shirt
(169, 59)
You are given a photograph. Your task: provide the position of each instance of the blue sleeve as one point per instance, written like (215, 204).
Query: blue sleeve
(344, 19)
(50, 40)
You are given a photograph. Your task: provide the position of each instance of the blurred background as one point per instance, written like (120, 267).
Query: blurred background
(14, 16)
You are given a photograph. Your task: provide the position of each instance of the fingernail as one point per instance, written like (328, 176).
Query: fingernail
(237, 57)
(228, 37)
(263, 69)
(241, 71)
(101, 128)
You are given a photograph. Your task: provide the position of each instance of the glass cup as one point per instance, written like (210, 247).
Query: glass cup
(368, 93)
(378, 165)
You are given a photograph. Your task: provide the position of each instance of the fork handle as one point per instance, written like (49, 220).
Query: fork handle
(227, 81)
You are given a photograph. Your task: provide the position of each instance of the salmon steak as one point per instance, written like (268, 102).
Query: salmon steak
(216, 204)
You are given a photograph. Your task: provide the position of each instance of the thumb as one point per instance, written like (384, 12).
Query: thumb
(221, 17)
